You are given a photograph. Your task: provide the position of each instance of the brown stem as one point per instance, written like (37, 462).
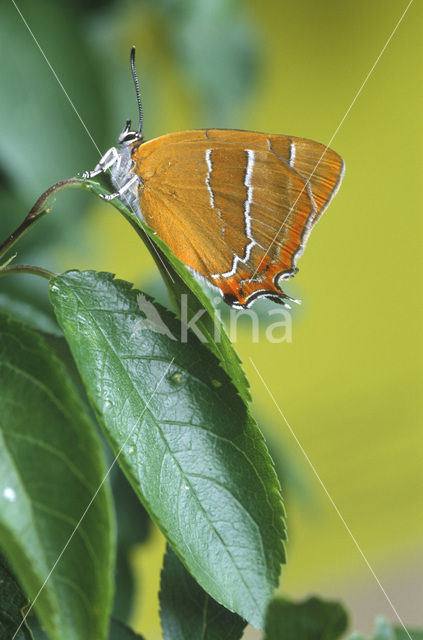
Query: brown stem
(26, 268)
(38, 211)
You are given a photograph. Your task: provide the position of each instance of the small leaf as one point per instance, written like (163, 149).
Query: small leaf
(51, 466)
(8, 261)
(189, 613)
(313, 619)
(188, 446)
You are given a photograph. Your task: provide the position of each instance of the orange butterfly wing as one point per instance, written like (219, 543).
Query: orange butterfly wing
(236, 206)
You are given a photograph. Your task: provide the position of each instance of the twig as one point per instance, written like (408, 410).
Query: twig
(26, 268)
(38, 211)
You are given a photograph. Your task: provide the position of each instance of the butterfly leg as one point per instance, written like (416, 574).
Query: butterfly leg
(110, 157)
(125, 187)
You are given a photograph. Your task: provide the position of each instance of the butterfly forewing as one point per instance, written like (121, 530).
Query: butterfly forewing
(235, 206)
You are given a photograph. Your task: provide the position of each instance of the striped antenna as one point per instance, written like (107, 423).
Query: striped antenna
(137, 89)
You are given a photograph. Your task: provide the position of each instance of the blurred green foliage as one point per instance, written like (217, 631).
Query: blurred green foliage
(350, 381)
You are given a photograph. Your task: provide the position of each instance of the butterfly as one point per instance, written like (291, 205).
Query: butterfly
(236, 207)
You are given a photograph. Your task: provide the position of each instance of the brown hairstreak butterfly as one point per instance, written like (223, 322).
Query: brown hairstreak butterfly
(236, 207)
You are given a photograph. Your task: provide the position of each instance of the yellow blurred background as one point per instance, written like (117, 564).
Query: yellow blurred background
(350, 383)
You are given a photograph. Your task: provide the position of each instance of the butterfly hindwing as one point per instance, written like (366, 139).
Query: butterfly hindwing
(236, 207)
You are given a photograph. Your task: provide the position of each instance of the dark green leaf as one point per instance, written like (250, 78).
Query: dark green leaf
(189, 613)
(12, 601)
(117, 631)
(28, 313)
(132, 528)
(124, 586)
(132, 520)
(313, 619)
(51, 467)
(189, 447)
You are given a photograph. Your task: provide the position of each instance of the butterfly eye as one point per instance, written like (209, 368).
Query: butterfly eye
(128, 138)
(126, 134)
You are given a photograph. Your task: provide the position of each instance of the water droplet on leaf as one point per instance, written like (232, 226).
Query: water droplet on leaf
(176, 378)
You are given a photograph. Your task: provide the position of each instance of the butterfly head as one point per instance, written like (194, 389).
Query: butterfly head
(128, 137)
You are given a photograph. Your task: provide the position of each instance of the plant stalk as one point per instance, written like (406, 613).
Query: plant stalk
(36, 213)
(26, 268)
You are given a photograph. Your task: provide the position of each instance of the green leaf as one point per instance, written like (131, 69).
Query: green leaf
(313, 619)
(184, 288)
(28, 313)
(133, 525)
(189, 447)
(51, 466)
(12, 601)
(119, 631)
(189, 613)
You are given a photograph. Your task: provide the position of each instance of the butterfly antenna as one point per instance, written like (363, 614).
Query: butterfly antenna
(137, 89)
